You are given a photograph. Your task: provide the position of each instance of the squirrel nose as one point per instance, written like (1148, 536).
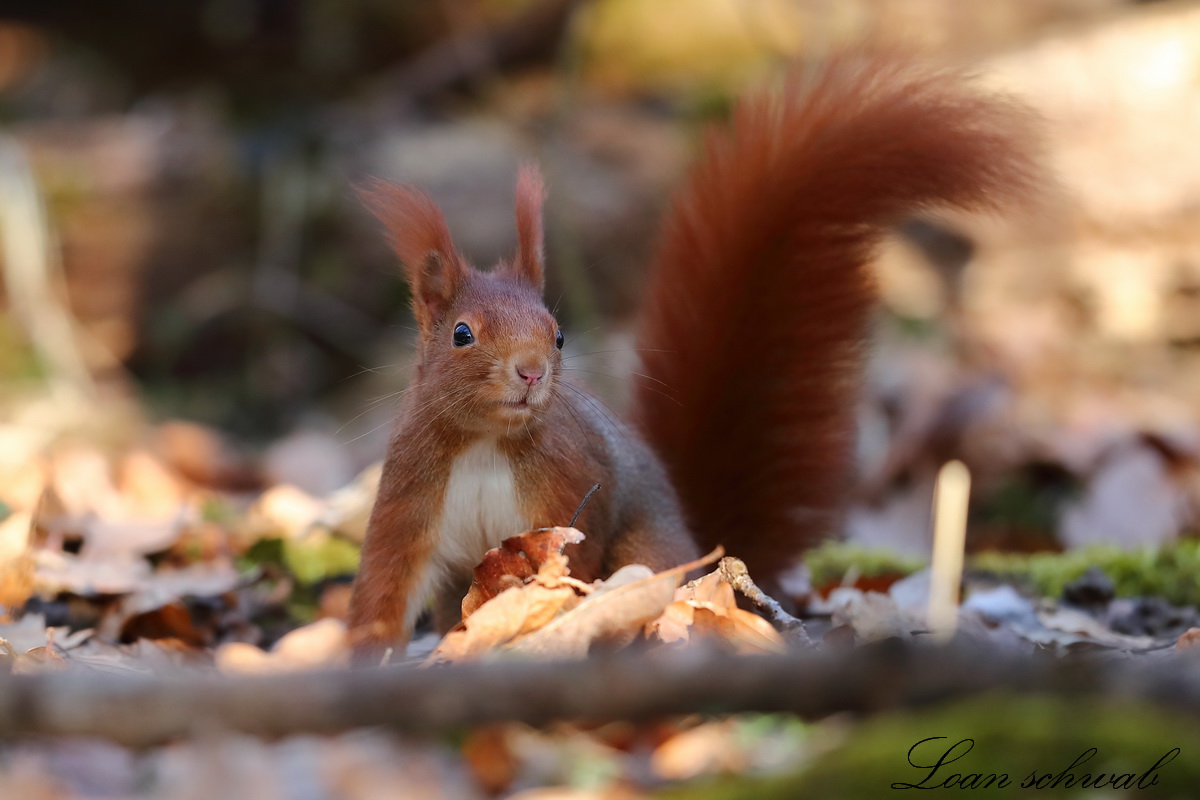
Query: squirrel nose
(530, 374)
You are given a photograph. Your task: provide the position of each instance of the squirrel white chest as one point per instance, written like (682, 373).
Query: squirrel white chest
(480, 508)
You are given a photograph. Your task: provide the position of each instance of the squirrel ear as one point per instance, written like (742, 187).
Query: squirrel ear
(531, 191)
(418, 233)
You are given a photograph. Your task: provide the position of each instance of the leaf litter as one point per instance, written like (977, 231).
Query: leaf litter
(148, 571)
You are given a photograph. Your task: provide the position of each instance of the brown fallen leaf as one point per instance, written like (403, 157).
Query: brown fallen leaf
(21, 488)
(319, 645)
(706, 749)
(711, 589)
(1190, 640)
(490, 757)
(517, 559)
(42, 658)
(674, 624)
(708, 607)
(149, 489)
(119, 538)
(283, 511)
(169, 621)
(616, 612)
(63, 572)
(16, 562)
(348, 510)
(744, 632)
(512, 613)
(82, 481)
(334, 601)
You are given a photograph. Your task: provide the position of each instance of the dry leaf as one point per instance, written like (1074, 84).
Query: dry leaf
(703, 750)
(517, 559)
(1190, 640)
(870, 615)
(16, 562)
(708, 606)
(24, 486)
(242, 658)
(285, 510)
(63, 572)
(745, 632)
(323, 643)
(319, 645)
(148, 488)
(490, 757)
(14, 535)
(334, 602)
(36, 659)
(39, 659)
(508, 615)
(81, 479)
(170, 621)
(120, 538)
(348, 510)
(711, 589)
(674, 624)
(615, 612)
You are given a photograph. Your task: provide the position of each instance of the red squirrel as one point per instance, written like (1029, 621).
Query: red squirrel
(751, 339)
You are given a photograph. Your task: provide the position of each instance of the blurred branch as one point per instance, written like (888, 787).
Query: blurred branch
(142, 711)
(30, 273)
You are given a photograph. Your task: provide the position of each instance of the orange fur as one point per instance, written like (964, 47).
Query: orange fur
(754, 322)
(757, 309)
(531, 192)
(418, 234)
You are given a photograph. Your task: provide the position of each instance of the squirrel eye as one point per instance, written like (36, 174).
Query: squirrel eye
(463, 335)
(558, 340)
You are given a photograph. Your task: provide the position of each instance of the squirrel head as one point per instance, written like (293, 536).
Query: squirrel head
(488, 346)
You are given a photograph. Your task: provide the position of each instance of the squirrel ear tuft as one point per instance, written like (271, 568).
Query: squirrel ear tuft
(418, 233)
(531, 191)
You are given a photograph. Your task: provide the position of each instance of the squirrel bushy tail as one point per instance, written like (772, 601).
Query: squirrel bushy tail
(752, 332)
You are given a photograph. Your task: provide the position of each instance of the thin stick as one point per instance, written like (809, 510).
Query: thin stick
(583, 503)
(734, 571)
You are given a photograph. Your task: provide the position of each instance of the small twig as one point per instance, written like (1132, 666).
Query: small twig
(583, 503)
(734, 571)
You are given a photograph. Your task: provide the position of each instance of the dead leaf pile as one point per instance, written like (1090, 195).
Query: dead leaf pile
(153, 539)
(523, 602)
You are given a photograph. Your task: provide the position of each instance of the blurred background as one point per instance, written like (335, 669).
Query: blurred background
(187, 276)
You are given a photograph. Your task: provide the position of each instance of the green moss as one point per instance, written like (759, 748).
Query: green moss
(830, 562)
(308, 559)
(319, 556)
(263, 552)
(218, 510)
(1022, 737)
(1168, 572)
